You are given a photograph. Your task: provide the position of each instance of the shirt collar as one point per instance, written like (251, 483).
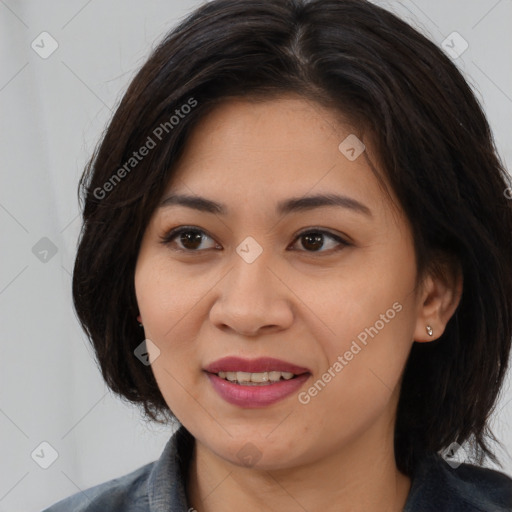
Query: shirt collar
(167, 480)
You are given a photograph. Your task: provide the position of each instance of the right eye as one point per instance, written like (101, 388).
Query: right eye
(189, 237)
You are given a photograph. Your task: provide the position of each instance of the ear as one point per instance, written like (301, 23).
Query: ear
(438, 300)
(139, 318)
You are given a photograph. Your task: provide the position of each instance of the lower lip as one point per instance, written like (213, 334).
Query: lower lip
(256, 396)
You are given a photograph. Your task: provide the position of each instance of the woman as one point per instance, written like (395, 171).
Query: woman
(296, 243)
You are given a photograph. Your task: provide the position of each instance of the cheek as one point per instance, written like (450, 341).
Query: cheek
(165, 310)
(166, 293)
(168, 301)
(369, 300)
(359, 385)
(373, 356)
(371, 319)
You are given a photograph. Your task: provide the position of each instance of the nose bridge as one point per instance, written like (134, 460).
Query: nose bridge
(251, 296)
(251, 279)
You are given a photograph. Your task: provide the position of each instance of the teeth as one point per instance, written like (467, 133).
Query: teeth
(251, 379)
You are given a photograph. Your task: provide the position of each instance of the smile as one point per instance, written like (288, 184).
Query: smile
(251, 395)
(256, 379)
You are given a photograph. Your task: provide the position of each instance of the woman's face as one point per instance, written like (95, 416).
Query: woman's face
(327, 290)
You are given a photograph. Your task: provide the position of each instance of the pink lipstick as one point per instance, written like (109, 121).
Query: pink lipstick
(253, 383)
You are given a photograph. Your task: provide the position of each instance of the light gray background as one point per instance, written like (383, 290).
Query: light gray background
(53, 112)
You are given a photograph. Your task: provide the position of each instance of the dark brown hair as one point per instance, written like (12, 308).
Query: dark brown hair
(434, 146)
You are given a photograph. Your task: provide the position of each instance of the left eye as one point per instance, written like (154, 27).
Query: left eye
(191, 238)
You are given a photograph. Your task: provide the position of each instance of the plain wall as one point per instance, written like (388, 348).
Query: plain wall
(53, 112)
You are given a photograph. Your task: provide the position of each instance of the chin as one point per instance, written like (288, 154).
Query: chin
(258, 452)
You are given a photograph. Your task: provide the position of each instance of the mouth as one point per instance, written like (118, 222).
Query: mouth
(263, 371)
(255, 379)
(257, 382)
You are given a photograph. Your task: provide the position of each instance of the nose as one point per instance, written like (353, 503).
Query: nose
(252, 299)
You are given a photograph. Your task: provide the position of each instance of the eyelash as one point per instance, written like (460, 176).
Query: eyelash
(173, 233)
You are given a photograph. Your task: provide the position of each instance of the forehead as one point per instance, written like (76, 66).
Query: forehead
(261, 151)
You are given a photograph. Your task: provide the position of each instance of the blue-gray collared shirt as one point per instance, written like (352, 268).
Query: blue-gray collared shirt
(160, 487)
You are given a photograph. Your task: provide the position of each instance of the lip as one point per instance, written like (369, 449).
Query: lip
(262, 364)
(251, 397)
(255, 396)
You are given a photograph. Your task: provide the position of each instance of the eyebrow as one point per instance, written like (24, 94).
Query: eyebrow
(296, 204)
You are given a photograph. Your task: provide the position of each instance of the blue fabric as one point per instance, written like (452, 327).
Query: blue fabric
(160, 487)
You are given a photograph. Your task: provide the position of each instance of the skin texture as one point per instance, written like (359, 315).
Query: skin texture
(299, 302)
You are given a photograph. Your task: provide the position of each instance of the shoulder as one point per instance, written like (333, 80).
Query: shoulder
(489, 487)
(158, 484)
(468, 488)
(127, 493)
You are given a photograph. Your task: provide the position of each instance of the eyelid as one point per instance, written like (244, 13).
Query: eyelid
(342, 241)
(168, 236)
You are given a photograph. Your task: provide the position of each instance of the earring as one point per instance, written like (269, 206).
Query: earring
(430, 332)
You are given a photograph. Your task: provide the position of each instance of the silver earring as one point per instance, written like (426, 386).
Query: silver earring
(430, 332)
(140, 325)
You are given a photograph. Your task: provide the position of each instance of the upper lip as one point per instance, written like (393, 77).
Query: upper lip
(259, 365)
